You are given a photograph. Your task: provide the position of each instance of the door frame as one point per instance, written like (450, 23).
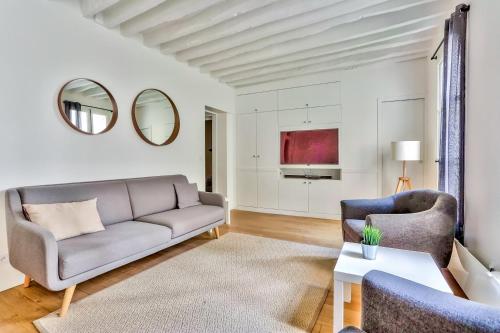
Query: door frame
(213, 115)
(389, 99)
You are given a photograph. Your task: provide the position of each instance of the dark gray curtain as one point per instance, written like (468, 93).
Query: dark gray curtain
(452, 144)
(77, 107)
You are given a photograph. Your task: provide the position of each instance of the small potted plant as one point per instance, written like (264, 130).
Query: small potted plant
(371, 241)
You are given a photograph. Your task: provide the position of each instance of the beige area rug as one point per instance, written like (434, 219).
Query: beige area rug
(239, 283)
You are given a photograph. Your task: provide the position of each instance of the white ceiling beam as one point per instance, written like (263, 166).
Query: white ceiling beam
(169, 11)
(379, 50)
(207, 18)
(400, 34)
(261, 16)
(368, 26)
(92, 7)
(309, 23)
(395, 57)
(124, 11)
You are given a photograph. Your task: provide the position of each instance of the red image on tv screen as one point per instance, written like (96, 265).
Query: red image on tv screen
(310, 147)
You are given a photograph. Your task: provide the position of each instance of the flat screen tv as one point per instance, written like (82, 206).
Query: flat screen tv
(310, 147)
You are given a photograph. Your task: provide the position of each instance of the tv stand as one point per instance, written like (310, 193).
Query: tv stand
(311, 173)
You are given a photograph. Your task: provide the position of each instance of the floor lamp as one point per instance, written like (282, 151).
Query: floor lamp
(405, 151)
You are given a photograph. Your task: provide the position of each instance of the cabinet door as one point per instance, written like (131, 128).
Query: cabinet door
(247, 135)
(309, 96)
(265, 101)
(324, 115)
(325, 196)
(293, 194)
(323, 94)
(292, 118)
(247, 188)
(268, 189)
(267, 140)
(293, 98)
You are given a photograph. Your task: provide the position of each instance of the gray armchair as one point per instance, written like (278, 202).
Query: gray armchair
(420, 220)
(391, 305)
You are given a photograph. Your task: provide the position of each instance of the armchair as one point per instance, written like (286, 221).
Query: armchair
(420, 220)
(392, 304)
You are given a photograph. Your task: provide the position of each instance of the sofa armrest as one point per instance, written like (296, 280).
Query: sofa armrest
(32, 249)
(213, 199)
(361, 208)
(392, 304)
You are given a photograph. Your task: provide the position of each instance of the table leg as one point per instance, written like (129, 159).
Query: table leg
(347, 292)
(338, 305)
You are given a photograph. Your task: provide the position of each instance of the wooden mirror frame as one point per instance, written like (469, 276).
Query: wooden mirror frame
(114, 117)
(177, 122)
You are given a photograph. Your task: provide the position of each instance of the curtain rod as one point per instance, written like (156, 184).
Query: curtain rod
(463, 8)
(434, 56)
(96, 107)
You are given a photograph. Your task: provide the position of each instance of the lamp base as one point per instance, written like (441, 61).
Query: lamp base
(403, 183)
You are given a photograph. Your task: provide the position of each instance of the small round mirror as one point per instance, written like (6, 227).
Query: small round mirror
(155, 117)
(87, 106)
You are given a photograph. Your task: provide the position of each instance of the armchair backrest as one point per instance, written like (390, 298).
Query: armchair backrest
(422, 200)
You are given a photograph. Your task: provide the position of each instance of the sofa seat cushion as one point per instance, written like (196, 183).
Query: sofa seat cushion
(185, 220)
(353, 230)
(86, 252)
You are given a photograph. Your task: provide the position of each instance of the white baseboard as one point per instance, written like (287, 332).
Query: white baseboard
(290, 212)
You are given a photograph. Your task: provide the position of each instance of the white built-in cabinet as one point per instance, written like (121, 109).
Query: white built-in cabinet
(315, 196)
(260, 118)
(258, 159)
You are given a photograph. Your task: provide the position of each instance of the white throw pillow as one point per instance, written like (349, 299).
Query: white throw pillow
(66, 220)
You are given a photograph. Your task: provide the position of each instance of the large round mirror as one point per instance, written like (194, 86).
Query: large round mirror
(87, 106)
(155, 117)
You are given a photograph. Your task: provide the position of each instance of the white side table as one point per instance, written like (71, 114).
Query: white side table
(351, 267)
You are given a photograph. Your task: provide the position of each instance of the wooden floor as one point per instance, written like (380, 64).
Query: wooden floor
(20, 306)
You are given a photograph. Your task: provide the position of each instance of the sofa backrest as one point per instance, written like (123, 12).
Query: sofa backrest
(422, 200)
(113, 201)
(154, 194)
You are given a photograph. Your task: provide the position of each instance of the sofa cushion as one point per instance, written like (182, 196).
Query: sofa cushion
(120, 240)
(187, 195)
(354, 230)
(153, 195)
(66, 220)
(113, 202)
(185, 220)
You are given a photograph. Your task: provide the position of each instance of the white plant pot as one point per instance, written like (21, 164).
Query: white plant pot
(369, 251)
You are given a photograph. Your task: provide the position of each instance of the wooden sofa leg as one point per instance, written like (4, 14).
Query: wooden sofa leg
(27, 281)
(217, 235)
(68, 295)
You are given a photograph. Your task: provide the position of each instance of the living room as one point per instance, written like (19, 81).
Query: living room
(348, 182)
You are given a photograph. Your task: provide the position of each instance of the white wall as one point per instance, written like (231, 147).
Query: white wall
(47, 43)
(361, 89)
(482, 161)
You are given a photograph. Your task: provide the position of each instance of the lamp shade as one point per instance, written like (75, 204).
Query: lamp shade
(406, 150)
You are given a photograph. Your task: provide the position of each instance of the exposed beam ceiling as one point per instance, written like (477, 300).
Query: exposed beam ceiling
(244, 42)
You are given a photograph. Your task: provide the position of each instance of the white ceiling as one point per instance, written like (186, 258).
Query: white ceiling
(245, 42)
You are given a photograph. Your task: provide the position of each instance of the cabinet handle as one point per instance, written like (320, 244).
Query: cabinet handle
(307, 104)
(305, 121)
(253, 156)
(310, 183)
(255, 110)
(309, 121)
(258, 156)
(305, 183)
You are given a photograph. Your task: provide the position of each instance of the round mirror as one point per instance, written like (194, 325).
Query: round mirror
(155, 117)
(87, 106)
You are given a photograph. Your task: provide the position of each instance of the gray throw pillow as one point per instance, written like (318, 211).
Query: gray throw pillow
(187, 195)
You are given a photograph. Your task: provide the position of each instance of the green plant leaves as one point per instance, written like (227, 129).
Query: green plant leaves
(371, 235)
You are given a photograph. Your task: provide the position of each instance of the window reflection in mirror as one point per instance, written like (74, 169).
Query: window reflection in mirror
(87, 106)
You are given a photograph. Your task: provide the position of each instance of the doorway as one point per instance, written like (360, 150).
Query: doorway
(209, 150)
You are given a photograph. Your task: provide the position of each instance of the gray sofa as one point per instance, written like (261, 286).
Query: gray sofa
(392, 305)
(140, 217)
(420, 220)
